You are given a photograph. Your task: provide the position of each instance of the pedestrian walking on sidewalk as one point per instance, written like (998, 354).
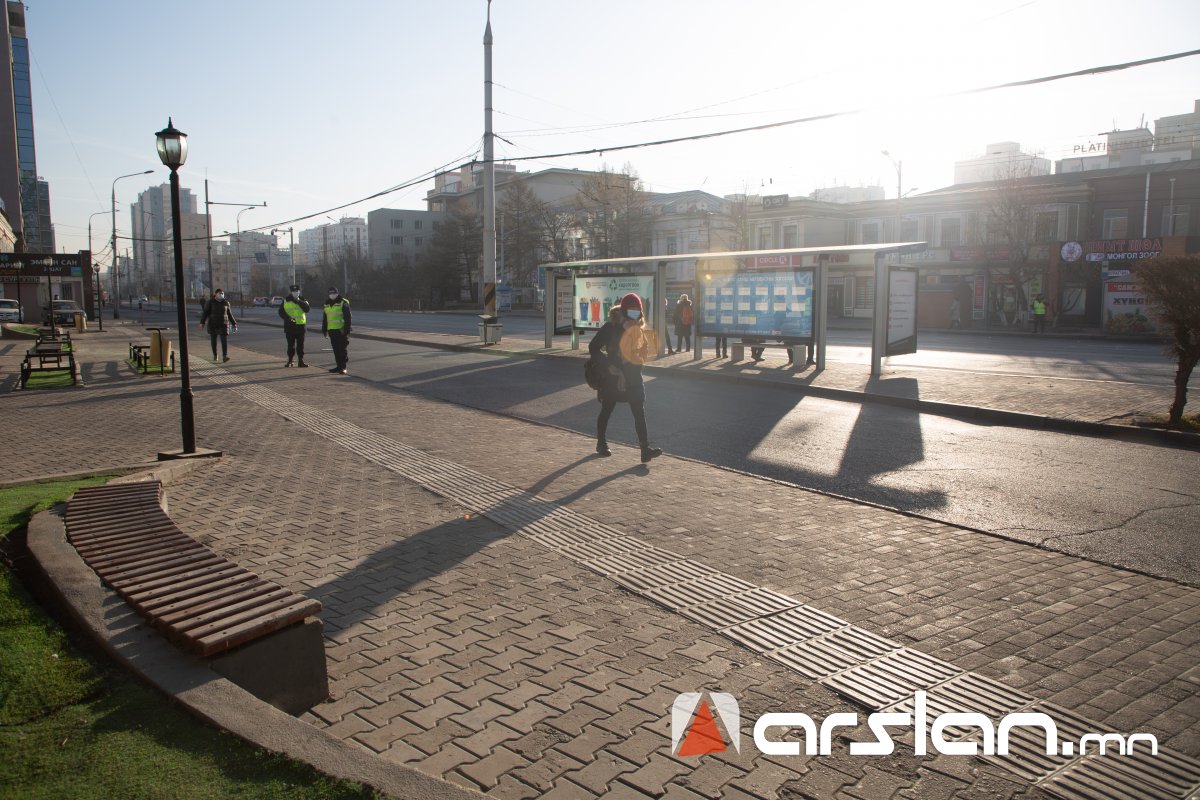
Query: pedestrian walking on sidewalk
(623, 345)
(294, 313)
(336, 326)
(218, 319)
(684, 317)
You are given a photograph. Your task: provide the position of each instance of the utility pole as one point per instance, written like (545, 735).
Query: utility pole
(489, 177)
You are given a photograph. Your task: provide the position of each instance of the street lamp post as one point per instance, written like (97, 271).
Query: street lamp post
(172, 150)
(208, 226)
(239, 252)
(96, 267)
(291, 249)
(116, 278)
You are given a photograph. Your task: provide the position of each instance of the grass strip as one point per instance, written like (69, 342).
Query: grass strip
(72, 724)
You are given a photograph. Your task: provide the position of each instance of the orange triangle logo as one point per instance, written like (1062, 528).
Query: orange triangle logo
(702, 735)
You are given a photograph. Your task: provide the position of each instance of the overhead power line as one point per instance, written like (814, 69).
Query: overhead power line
(836, 114)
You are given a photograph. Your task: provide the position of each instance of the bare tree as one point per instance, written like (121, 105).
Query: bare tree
(521, 215)
(456, 251)
(1172, 287)
(1009, 221)
(613, 213)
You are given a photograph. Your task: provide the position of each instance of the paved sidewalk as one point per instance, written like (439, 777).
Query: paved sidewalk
(468, 639)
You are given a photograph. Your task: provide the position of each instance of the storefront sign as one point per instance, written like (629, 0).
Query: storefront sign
(1110, 250)
(775, 201)
(902, 311)
(595, 295)
(769, 305)
(994, 253)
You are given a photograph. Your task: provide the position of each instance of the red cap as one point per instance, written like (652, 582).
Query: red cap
(630, 301)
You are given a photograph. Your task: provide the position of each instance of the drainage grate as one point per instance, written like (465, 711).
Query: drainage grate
(969, 693)
(1027, 755)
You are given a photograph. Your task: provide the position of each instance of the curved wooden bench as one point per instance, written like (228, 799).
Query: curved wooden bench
(198, 599)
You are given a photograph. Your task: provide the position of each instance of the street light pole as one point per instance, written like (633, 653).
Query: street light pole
(239, 252)
(291, 249)
(96, 267)
(208, 227)
(116, 277)
(172, 149)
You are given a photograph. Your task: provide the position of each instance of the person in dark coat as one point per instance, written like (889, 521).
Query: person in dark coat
(218, 320)
(684, 318)
(623, 345)
(294, 313)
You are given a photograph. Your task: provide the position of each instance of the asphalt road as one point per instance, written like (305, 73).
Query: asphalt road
(1130, 505)
(1061, 356)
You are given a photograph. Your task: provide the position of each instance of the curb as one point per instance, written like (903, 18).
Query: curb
(1013, 419)
(123, 635)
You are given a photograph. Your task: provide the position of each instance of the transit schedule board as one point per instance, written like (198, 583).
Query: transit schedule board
(595, 295)
(902, 311)
(776, 305)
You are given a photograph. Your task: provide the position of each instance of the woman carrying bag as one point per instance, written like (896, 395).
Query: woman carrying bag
(623, 344)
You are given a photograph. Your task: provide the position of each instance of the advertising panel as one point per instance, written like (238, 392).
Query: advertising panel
(1125, 307)
(777, 305)
(595, 295)
(564, 299)
(902, 311)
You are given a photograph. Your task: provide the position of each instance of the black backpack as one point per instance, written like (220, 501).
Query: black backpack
(593, 374)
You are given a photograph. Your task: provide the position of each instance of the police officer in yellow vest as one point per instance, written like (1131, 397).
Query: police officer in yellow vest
(336, 325)
(1039, 314)
(294, 313)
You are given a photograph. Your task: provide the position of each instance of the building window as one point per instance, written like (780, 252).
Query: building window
(418, 240)
(1178, 226)
(764, 238)
(908, 230)
(870, 233)
(397, 223)
(789, 236)
(398, 240)
(417, 224)
(1116, 223)
(951, 232)
(672, 245)
(1045, 227)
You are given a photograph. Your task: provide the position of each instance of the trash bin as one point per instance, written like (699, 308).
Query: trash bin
(160, 350)
(490, 329)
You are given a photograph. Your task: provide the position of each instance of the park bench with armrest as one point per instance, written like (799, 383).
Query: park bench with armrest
(48, 355)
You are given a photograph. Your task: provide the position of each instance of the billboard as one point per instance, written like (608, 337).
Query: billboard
(595, 295)
(563, 300)
(771, 304)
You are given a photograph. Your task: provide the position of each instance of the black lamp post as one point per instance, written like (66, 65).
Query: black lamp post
(172, 150)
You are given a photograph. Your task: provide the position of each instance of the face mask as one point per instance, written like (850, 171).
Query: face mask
(633, 313)
(332, 296)
(292, 294)
(220, 295)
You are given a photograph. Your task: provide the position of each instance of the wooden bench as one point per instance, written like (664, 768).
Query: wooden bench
(254, 632)
(47, 355)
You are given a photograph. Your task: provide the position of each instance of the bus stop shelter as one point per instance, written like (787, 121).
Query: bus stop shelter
(579, 294)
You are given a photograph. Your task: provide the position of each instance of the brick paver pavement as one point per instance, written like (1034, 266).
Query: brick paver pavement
(490, 660)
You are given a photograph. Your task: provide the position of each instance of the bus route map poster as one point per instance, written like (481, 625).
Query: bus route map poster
(771, 305)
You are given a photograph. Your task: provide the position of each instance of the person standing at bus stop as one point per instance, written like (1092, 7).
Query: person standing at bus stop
(336, 325)
(294, 313)
(624, 345)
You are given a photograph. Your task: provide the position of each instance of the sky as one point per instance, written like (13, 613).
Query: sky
(310, 106)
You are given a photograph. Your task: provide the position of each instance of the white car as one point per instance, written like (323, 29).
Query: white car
(10, 310)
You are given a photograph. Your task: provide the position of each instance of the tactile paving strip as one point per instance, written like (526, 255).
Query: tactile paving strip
(859, 665)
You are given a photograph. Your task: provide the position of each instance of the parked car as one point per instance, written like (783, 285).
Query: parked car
(10, 310)
(276, 301)
(261, 302)
(64, 311)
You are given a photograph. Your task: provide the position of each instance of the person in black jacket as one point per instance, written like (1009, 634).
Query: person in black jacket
(218, 318)
(684, 318)
(294, 313)
(624, 345)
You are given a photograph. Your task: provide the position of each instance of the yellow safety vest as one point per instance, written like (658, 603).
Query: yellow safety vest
(295, 312)
(1039, 308)
(333, 313)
